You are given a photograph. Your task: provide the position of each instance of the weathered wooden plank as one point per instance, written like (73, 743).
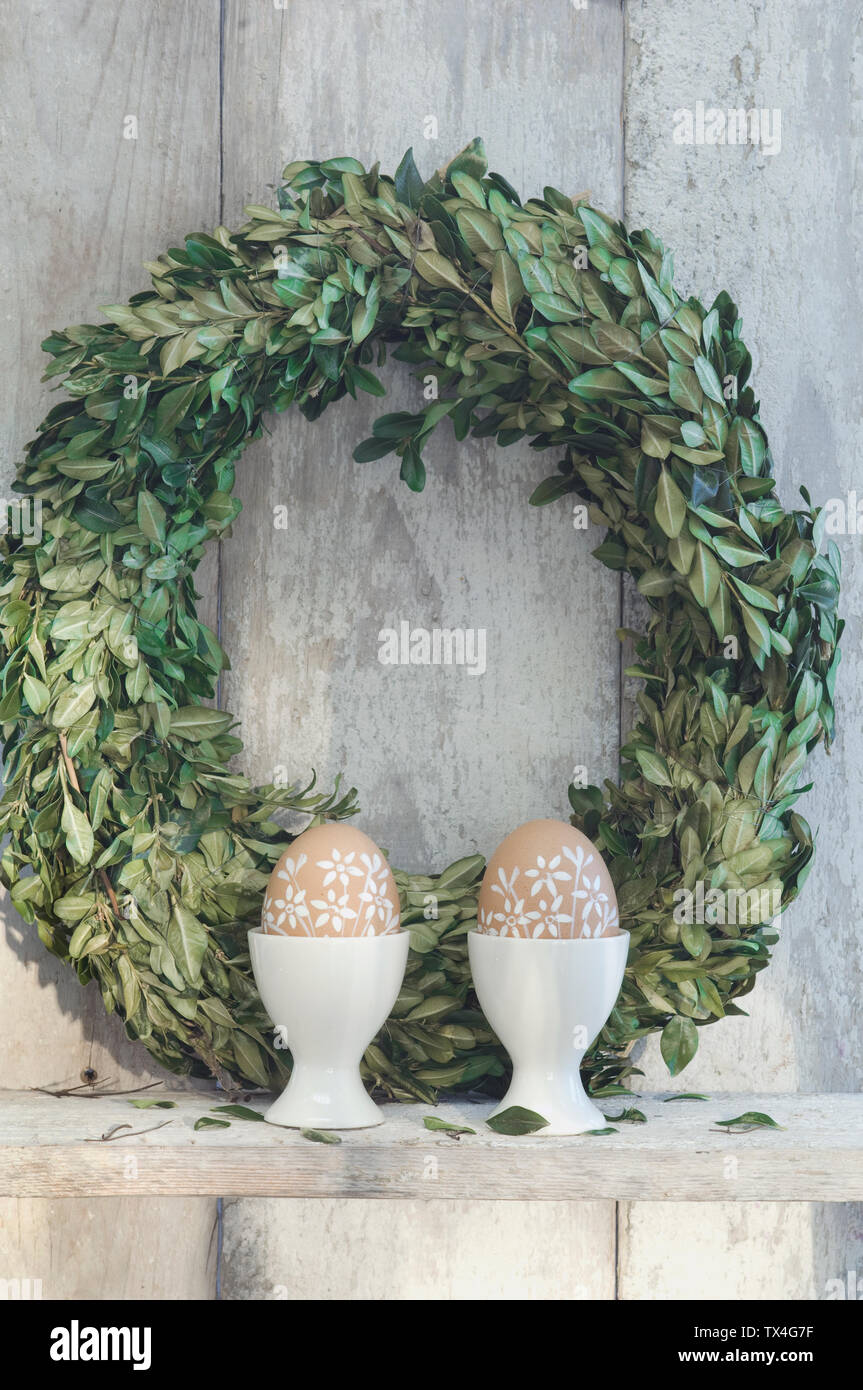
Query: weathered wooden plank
(110, 154)
(439, 1250)
(770, 229)
(722, 1250)
(97, 205)
(51, 1146)
(777, 231)
(447, 763)
(110, 1247)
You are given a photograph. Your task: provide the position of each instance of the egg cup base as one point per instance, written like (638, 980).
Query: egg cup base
(547, 1000)
(322, 1098)
(328, 997)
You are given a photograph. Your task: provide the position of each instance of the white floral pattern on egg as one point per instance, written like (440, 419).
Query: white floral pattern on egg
(547, 879)
(332, 881)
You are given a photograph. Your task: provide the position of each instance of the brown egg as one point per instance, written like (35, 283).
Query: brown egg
(547, 880)
(331, 881)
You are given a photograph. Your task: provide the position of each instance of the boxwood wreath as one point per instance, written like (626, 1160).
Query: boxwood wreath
(141, 856)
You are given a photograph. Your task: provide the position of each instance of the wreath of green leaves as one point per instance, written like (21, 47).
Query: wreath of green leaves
(139, 854)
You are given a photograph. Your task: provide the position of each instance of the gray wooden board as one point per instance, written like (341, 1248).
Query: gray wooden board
(82, 206)
(780, 232)
(446, 763)
(54, 1146)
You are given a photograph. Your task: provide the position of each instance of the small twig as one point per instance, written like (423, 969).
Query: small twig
(112, 1133)
(86, 1091)
(70, 766)
(109, 1133)
(109, 889)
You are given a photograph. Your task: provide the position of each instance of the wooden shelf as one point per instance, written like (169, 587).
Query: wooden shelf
(52, 1147)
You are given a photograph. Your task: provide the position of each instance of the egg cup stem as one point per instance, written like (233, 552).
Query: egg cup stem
(547, 1000)
(327, 997)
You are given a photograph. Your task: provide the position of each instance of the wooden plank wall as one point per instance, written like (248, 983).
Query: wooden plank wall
(82, 206)
(778, 232)
(581, 95)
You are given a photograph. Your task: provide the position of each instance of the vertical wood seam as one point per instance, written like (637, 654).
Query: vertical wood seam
(221, 157)
(220, 1206)
(621, 599)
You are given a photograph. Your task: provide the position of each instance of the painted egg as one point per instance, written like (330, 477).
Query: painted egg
(547, 879)
(331, 881)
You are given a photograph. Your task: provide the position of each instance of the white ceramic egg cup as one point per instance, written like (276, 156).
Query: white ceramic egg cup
(330, 996)
(547, 1001)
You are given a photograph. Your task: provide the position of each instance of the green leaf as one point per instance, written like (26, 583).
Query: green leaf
(187, 941)
(683, 387)
(685, 1095)
(399, 425)
(760, 598)
(151, 517)
(678, 1044)
(708, 380)
(219, 382)
(413, 470)
(36, 693)
(601, 383)
(516, 1120)
(624, 276)
(550, 489)
(367, 381)
(479, 230)
(372, 448)
(647, 385)
(750, 1119)
(78, 832)
(746, 447)
(197, 722)
(73, 704)
(172, 408)
(366, 312)
(507, 289)
(74, 620)
(692, 434)
(734, 554)
(447, 1127)
(408, 181)
(705, 575)
(238, 1112)
(471, 160)
(756, 626)
(207, 1122)
(97, 515)
(144, 1104)
(249, 1059)
(654, 767)
(321, 1136)
(436, 270)
(670, 505)
(555, 308)
(131, 990)
(654, 441)
(607, 1129)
